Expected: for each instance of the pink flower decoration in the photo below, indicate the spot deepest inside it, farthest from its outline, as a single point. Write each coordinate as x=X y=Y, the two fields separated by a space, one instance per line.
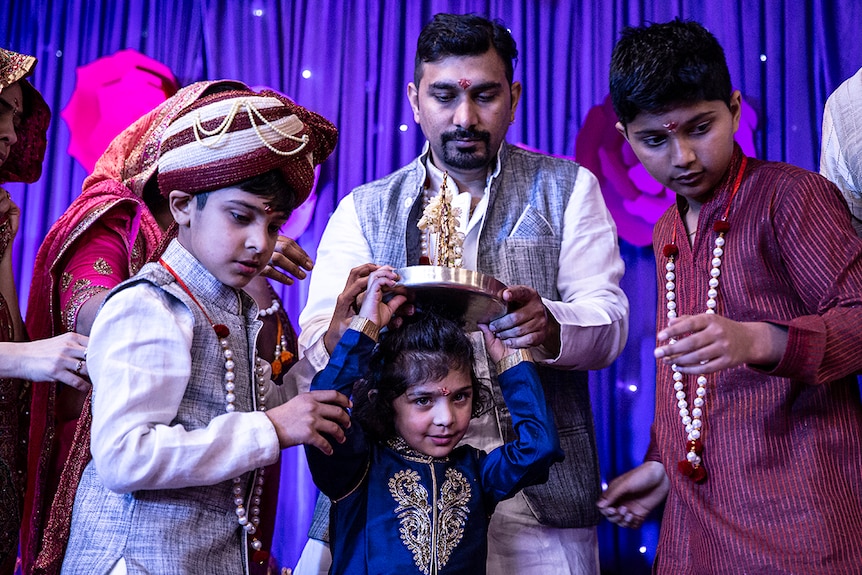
x=635 y=199
x=110 y=94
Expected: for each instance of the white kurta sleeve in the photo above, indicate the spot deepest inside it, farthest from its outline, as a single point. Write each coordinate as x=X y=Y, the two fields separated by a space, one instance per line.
x=139 y=362
x=593 y=311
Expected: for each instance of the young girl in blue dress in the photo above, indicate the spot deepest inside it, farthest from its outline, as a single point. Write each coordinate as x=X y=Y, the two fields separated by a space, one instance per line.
x=407 y=498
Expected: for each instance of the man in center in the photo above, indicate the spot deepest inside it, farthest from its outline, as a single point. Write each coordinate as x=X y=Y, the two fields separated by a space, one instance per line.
x=536 y=223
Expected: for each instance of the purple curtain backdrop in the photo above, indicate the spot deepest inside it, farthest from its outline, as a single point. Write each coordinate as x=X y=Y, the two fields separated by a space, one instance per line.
x=785 y=56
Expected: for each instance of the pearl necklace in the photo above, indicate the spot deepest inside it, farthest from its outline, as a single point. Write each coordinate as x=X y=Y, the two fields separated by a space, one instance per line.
x=424 y=235
x=248 y=520
x=251 y=110
x=270 y=310
x=692 y=466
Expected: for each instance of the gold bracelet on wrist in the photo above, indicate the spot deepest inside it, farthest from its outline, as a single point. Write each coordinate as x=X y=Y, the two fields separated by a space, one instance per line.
x=514 y=359
x=366 y=326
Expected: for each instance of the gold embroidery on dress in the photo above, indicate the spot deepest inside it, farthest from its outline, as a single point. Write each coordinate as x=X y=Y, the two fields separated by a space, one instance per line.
x=5 y=234
x=102 y=267
x=415 y=514
x=452 y=516
x=398 y=444
x=418 y=529
x=82 y=293
x=139 y=250
x=66 y=280
x=81 y=284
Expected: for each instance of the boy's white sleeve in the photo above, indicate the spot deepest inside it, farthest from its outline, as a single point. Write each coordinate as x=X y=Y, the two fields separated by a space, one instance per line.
x=139 y=362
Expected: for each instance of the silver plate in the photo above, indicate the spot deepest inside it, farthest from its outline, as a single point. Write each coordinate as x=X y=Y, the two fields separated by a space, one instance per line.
x=473 y=296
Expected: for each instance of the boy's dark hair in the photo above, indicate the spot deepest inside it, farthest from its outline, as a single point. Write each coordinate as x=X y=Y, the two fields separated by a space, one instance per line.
x=659 y=66
x=464 y=35
x=270 y=185
x=425 y=348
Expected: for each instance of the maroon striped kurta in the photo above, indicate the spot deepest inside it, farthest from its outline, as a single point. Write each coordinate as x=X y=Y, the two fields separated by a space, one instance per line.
x=783 y=449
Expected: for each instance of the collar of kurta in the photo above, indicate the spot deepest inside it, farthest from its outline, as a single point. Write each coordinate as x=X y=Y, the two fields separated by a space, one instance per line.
x=398 y=445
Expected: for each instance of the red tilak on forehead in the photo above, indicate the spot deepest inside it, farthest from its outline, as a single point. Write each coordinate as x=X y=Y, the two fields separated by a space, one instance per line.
x=267 y=208
x=465 y=83
x=670 y=126
x=444 y=391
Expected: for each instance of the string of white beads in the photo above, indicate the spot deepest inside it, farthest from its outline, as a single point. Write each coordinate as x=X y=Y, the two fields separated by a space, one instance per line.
x=248 y=519
x=272 y=309
x=691 y=419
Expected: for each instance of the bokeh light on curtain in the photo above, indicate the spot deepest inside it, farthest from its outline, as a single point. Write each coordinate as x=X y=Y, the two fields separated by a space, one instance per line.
x=351 y=60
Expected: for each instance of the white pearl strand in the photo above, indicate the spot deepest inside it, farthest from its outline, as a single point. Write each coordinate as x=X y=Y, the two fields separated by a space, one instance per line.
x=224 y=128
x=425 y=234
x=270 y=310
x=692 y=420
x=248 y=521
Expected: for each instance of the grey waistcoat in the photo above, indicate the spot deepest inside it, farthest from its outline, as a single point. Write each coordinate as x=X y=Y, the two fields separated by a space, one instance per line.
x=519 y=244
x=184 y=531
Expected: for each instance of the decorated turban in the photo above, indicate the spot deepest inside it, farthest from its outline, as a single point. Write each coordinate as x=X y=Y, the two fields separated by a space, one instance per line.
x=231 y=136
x=24 y=163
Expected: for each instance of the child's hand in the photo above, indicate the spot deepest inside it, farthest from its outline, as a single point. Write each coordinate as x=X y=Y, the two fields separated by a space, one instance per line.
x=373 y=307
x=311 y=419
x=632 y=496
x=707 y=343
x=345 y=305
x=495 y=346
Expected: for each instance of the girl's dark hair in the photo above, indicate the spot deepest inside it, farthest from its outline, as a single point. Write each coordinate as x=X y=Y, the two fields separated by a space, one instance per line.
x=659 y=66
x=425 y=348
x=270 y=185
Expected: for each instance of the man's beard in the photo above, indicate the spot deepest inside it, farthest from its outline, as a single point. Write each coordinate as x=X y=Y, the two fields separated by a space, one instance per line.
x=466 y=160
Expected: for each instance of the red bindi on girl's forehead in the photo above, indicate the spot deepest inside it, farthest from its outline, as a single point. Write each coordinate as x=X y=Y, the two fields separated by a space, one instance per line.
x=671 y=126
x=465 y=83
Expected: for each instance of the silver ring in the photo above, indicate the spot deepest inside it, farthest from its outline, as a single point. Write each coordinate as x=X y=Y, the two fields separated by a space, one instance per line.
x=79 y=366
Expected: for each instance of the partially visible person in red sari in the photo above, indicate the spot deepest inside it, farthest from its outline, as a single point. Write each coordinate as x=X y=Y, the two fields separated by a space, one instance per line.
x=118 y=223
x=24 y=119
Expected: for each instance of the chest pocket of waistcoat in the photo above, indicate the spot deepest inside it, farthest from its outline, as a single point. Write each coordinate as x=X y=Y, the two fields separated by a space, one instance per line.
x=531 y=254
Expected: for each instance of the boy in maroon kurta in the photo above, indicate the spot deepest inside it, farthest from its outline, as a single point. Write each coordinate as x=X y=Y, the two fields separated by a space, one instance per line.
x=757 y=438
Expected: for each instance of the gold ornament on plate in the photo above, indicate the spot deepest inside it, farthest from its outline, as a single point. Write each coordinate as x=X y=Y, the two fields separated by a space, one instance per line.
x=439 y=224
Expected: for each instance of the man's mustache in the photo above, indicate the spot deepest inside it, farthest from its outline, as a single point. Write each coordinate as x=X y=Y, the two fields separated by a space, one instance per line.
x=465 y=134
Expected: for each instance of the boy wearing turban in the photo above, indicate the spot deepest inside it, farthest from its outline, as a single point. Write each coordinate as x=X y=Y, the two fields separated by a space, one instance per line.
x=185 y=417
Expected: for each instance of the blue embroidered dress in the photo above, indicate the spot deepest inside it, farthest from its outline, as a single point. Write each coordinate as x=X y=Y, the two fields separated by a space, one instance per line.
x=396 y=510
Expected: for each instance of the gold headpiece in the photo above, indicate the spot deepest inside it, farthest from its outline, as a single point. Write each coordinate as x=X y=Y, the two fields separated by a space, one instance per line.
x=14 y=67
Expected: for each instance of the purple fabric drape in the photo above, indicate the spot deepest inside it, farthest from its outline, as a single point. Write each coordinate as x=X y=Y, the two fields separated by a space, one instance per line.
x=785 y=56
